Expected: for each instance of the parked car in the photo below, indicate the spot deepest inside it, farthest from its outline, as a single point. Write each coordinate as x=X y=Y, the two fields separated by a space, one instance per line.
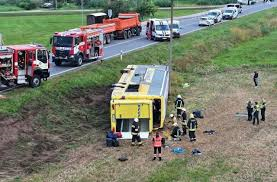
x=176 y=28
x=216 y=14
x=206 y=21
x=230 y=13
x=237 y=5
x=47 y=5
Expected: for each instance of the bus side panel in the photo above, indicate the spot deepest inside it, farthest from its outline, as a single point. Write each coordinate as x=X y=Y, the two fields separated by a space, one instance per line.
x=132 y=111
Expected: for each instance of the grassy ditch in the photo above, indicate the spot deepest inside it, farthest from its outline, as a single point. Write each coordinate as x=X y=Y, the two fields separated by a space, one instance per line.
x=72 y=110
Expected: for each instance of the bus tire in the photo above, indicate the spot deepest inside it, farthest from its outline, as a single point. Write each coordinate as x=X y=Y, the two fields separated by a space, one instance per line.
x=35 y=81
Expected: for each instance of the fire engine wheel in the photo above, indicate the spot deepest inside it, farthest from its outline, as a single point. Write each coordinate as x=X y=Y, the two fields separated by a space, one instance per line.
x=108 y=39
x=79 y=61
x=58 y=62
x=125 y=35
x=35 y=81
x=129 y=34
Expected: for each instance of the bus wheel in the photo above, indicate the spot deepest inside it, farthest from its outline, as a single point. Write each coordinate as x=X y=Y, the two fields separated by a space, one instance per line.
x=35 y=81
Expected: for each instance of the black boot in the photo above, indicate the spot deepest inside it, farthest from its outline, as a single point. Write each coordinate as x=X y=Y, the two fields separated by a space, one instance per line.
x=154 y=159
x=160 y=158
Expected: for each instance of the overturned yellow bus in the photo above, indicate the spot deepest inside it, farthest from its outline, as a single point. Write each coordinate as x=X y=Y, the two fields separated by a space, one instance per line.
x=142 y=93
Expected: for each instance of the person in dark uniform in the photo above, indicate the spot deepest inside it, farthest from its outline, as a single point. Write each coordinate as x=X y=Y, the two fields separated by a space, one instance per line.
x=263 y=107
x=184 y=121
x=192 y=126
x=255 y=78
x=249 y=109
x=135 y=132
x=256 y=113
x=179 y=104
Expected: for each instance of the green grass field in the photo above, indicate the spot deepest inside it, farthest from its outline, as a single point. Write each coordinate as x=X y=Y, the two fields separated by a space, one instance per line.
x=195 y=55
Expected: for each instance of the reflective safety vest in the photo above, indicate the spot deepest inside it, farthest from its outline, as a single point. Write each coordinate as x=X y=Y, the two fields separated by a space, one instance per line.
x=157 y=141
x=192 y=124
x=263 y=105
x=179 y=103
x=135 y=128
x=256 y=108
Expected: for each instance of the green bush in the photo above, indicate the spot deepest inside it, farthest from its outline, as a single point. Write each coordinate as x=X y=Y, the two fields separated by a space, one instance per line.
x=162 y=3
x=29 y=4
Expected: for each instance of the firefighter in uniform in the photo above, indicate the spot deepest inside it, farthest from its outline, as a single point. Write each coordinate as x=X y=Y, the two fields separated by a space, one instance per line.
x=135 y=132
x=173 y=119
x=184 y=121
x=192 y=126
x=256 y=113
x=249 y=109
x=176 y=132
x=179 y=104
x=263 y=106
x=157 y=144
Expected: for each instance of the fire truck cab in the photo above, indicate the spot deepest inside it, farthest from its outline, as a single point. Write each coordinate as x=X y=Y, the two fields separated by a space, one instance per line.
x=23 y=64
x=77 y=45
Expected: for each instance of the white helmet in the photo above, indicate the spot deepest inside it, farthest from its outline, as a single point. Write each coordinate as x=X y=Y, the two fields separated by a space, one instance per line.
x=175 y=124
x=136 y=120
x=171 y=115
x=184 y=109
x=179 y=96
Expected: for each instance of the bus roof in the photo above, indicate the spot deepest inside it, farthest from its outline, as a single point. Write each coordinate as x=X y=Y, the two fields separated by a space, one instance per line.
x=149 y=80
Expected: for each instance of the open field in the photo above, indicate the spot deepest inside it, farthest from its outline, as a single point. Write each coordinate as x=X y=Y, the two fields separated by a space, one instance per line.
x=58 y=137
x=39 y=29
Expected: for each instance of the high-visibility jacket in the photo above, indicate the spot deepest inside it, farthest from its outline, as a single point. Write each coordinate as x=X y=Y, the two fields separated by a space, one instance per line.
x=179 y=103
x=135 y=128
x=256 y=109
x=192 y=124
x=157 y=141
x=263 y=105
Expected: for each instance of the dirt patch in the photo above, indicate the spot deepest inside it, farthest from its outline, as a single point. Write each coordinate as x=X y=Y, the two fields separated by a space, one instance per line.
x=26 y=144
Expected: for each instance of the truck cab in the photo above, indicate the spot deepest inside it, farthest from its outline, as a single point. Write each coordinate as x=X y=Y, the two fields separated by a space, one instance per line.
x=23 y=64
x=157 y=29
x=76 y=45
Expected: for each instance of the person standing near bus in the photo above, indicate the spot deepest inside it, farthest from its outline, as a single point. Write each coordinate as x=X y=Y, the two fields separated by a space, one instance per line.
x=158 y=140
x=135 y=132
x=179 y=104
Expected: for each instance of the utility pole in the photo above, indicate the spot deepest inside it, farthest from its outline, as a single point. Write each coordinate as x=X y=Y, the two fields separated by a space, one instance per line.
x=170 y=46
x=56 y=4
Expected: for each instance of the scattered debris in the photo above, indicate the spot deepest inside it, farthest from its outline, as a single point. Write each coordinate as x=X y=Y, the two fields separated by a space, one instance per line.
x=198 y=113
x=178 y=150
x=123 y=158
x=196 y=152
x=209 y=132
x=2 y=97
x=186 y=85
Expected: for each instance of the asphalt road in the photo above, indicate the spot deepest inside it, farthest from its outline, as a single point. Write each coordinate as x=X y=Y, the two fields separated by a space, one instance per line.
x=189 y=24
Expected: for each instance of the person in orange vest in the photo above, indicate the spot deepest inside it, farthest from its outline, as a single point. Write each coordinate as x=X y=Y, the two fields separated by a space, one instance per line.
x=158 y=141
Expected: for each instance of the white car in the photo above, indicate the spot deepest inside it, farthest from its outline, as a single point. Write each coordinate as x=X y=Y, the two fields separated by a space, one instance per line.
x=216 y=14
x=230 y=13
x=237 y=5
x=175 y=28
x=206 y=21
x=247 y=2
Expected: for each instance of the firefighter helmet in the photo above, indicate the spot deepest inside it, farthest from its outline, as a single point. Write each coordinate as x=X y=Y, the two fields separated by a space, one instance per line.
x=184 y=109
x=171 y=115
x=191 y=116
x=175 y=124
x=136 y=120
x=179 y=96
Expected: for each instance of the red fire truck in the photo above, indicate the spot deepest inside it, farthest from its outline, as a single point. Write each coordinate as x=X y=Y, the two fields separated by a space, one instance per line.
x=22 y=64
x=77 y=45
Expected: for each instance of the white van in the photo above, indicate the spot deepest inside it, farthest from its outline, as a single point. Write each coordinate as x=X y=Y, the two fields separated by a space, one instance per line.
x=176 y=28
x=238 y=6
x=246 y=2
x=157 y=29
x=230 y=13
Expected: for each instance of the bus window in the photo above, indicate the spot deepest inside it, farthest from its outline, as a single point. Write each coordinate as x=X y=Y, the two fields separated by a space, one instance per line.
x=156 y=113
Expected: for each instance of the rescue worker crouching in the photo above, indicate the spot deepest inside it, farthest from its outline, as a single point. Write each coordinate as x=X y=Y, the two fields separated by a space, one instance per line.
x=192 y=126
x=173 y=119
x=158 y=141
x=179 y=104
x=176 y=132
x=135 y=132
